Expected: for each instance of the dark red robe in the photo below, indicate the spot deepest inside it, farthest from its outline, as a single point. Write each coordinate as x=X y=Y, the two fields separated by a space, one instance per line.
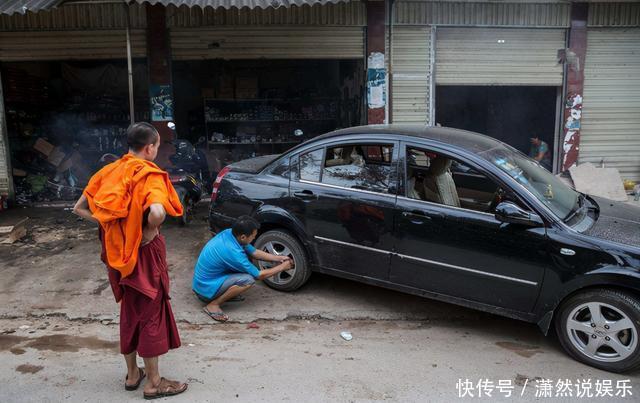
x=147 y=324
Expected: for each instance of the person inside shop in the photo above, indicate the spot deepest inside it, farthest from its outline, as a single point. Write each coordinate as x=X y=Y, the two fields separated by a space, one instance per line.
x=224 y=270
x=539 y=151
x=130 y=199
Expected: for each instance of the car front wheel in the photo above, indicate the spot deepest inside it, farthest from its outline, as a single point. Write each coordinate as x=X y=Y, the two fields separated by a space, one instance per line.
x=600 y=328
x=279 y=242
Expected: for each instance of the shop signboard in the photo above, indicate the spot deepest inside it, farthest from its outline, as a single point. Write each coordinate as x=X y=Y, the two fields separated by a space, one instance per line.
x=161 y=103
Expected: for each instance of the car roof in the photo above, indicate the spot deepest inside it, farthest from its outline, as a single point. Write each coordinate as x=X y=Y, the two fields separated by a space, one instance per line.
x=470 y=141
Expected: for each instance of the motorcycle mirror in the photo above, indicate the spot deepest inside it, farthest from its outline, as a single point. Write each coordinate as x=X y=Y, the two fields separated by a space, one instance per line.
x=298 y=133
x=171 y=125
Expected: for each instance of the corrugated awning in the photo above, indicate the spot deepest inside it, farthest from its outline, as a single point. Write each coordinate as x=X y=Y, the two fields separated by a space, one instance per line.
x=238 y=3
x=22 y=6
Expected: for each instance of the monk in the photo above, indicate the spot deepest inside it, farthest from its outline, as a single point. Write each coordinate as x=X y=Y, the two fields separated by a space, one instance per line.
x=130 y=199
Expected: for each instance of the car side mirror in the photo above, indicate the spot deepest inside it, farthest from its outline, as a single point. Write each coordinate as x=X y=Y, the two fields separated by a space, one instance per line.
x=509 y=212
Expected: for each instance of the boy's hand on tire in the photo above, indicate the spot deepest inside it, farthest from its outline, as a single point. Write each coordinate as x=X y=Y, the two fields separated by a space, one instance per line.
x=287 y=265
x=282 y=258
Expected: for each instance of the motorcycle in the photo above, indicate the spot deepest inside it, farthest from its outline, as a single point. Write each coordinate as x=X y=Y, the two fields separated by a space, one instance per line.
x=188 y=176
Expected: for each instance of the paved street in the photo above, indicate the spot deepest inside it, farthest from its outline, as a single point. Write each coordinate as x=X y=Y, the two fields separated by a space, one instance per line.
x=59 y=334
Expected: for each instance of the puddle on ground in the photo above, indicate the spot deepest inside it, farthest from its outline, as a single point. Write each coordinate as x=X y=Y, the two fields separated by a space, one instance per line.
x=29 y=369
x=8 y=341
x=523 y=350
x=57 y=342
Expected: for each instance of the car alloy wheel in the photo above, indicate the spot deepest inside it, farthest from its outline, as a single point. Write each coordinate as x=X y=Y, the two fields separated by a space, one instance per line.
x=601 y=332
x=278 y=248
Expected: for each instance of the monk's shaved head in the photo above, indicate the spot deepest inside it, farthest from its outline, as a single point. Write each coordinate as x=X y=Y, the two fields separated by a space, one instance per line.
x=141 y=134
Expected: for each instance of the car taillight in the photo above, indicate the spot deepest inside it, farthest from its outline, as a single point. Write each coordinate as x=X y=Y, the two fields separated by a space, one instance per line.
x=216 y=184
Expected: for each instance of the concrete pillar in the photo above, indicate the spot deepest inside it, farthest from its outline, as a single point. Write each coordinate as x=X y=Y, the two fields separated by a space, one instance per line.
x=376 y=71
x=159 y=65
x=6 y=173
x=574 y=58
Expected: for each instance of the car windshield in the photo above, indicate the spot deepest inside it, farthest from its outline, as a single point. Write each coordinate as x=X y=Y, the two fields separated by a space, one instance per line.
x=552 y=192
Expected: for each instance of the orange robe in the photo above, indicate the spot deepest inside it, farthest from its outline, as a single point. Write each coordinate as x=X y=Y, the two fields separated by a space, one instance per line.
x=118 y=196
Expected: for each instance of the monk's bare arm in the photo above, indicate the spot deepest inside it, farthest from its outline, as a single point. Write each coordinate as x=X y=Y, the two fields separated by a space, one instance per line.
x=154 y=220
x=82 y=209
x=157 y=215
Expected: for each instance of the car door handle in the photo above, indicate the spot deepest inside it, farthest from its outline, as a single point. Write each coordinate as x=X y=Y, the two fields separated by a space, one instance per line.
x=414 y=213
x=416 y=216
x=305 y=195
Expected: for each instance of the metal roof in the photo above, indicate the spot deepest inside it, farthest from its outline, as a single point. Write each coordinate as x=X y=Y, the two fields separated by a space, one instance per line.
x=22 y=6
x=238 y=3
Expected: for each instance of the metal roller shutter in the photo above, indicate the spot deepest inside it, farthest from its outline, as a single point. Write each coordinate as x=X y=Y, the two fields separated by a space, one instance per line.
x=267 y=43
x=611 y=106
x=70 y=45
x=499 y=56
x=411 y=74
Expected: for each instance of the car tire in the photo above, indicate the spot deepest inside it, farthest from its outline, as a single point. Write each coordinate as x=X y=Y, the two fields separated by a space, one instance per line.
x=608 y=340
x=282 y=242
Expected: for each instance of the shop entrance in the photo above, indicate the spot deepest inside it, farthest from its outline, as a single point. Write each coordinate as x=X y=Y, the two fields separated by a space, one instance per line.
x=236 y=109
x=512 y=114
x=63 y=117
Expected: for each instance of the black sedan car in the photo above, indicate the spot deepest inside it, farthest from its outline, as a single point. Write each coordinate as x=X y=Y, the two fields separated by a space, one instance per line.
x=450 y=215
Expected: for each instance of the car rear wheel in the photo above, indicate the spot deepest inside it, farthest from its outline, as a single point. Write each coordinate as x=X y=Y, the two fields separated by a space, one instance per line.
x=279 y=242
x=601 y=328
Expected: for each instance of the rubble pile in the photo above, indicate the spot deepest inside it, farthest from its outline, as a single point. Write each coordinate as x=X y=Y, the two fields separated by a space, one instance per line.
x=50 y=173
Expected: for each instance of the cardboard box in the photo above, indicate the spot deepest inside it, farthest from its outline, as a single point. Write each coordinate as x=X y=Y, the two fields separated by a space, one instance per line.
x=78 y=166
x=82 y=171
x=69 y=162
x=43 y=146
x=56 y=156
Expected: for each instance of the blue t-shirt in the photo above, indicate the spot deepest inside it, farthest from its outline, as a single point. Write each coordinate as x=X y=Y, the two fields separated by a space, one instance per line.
x=221 y=256
x=541 y=148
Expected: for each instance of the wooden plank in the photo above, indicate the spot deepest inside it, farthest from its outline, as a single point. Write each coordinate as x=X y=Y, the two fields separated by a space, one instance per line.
x=8 y=223
x=15 y=235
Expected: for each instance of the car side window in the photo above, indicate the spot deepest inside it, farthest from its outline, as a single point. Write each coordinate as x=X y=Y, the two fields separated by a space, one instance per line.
x=359 y=166
x=283 y=169
x=310 y=165
x=439 y=179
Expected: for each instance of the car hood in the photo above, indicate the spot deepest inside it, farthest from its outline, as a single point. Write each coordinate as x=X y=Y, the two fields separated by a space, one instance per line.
x=618 y=222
